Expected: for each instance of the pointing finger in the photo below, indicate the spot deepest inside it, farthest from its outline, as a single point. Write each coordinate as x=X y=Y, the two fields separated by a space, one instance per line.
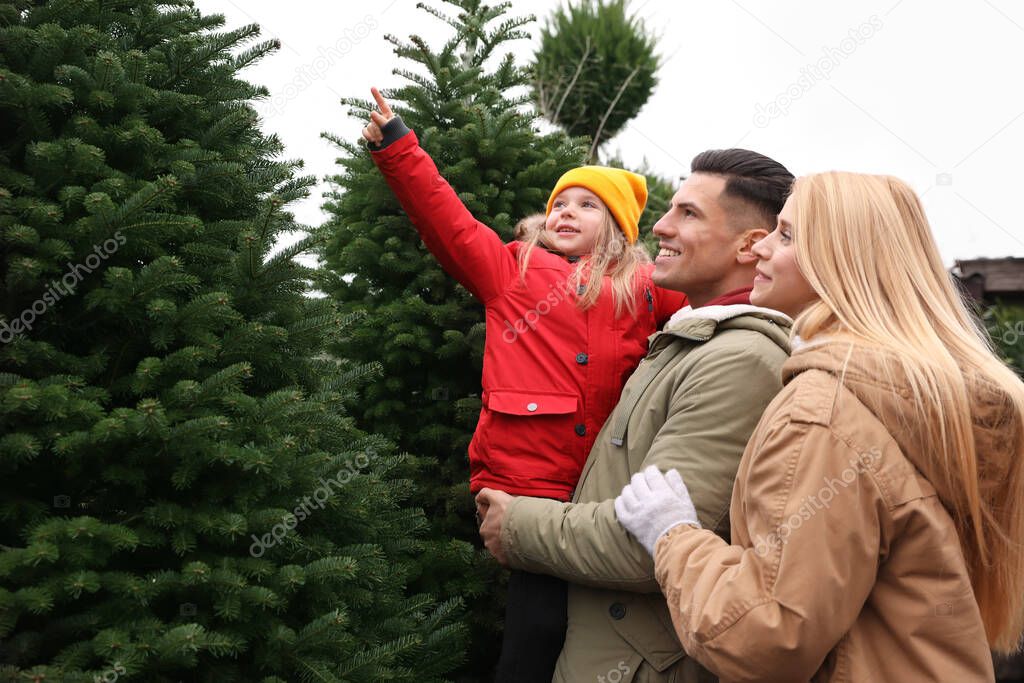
x=381 y=103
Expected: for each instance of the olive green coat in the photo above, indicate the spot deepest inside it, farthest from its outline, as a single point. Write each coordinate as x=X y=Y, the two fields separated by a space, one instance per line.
x=692 y=404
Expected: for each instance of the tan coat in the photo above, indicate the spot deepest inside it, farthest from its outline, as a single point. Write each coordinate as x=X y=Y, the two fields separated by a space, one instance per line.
x=691 y=405
x=844 y=564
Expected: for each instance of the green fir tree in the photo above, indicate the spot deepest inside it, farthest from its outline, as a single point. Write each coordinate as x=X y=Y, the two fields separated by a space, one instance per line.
x=182 y=495
x=595 y=69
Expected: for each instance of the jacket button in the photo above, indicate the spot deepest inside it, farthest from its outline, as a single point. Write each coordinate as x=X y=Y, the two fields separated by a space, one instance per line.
x=617 y=610
x=581 y=429
x=580 y=289
x=581 y=358
x=531 y=407
x=573 y=259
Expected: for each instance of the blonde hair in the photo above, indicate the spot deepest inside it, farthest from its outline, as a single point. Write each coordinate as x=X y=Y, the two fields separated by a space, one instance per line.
x=527 y=226
x=612 y=255
x=864 y=244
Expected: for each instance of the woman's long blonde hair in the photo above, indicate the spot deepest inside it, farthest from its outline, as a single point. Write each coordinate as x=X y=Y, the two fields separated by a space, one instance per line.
x=612 y=255
x=864 y=244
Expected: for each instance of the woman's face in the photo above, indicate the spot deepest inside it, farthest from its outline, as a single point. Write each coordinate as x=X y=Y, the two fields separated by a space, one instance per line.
x=576 y=217
x=779 y=284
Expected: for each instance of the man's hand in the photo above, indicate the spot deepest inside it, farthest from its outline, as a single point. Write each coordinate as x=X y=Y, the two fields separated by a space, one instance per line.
x=652 y=503
x=492 y=505
x=372 y=132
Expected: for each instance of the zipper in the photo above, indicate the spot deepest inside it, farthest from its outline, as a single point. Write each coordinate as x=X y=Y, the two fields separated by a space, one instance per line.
x=650 y=299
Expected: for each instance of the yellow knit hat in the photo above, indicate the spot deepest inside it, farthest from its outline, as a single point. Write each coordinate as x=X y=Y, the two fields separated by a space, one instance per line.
x=624 y=193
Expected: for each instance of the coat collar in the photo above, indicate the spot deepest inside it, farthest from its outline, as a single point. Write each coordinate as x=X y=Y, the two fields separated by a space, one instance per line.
x=701 y=324
x=718 y=314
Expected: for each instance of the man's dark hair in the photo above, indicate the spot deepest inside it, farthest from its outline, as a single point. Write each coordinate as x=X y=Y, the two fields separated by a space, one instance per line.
x=754 y=179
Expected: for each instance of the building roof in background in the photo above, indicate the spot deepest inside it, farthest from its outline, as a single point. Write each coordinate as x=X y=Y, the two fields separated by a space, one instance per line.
x=996 y=275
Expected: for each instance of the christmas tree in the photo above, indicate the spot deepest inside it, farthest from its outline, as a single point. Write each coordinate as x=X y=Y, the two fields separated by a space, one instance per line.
x=467 y=102
x=595 y=69
x=183 y=495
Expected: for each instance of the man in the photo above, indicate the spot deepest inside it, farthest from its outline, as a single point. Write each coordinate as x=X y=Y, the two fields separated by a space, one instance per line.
x=691 y=405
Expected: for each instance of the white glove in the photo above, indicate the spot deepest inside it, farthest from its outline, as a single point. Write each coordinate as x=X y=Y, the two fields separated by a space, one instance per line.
x=652 y=503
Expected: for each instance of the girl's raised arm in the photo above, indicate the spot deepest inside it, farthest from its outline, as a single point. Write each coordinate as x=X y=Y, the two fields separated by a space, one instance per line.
x=467 y=249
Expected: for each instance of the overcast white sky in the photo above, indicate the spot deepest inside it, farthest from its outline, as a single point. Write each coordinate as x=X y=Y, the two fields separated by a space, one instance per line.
x=927 y=90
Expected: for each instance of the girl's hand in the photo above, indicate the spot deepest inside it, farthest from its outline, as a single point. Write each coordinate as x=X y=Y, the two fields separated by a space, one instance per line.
x=372 y=132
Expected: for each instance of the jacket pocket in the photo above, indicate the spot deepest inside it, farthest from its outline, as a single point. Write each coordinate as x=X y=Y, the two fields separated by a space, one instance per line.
x=529 y=434
x=531 y=403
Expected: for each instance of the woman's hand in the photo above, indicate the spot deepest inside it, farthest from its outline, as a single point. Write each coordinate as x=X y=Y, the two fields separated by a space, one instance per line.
x=652 y=503
x=372 y=132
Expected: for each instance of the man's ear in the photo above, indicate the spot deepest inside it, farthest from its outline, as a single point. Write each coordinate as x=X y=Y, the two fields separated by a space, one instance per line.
x=745 y=251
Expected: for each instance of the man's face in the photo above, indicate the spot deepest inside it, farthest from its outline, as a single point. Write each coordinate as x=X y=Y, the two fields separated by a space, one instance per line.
x=698 y=241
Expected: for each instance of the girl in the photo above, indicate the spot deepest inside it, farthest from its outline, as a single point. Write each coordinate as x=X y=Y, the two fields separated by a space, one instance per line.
x=876 y=516
x=568 y=312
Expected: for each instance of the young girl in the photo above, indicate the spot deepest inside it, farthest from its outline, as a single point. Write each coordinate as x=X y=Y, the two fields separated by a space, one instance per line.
x=566 y=325
x=877 y=526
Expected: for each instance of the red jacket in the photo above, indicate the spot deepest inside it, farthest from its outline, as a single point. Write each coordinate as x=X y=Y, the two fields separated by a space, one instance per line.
x=552 y=373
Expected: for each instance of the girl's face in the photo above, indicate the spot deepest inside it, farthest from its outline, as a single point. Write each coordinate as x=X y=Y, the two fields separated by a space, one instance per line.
x=575 y=221
x=779 y=284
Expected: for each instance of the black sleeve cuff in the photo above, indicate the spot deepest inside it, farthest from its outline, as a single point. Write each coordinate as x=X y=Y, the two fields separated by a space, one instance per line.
x=393 y=130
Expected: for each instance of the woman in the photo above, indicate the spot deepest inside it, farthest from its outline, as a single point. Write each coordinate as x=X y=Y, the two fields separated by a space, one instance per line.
x=877 y=522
